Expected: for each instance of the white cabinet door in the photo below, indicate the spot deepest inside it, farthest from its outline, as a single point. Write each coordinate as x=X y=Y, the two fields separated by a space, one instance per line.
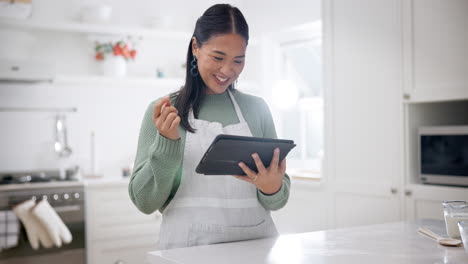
x=363 y=87
x=425 y=201
x=116 y=232
x=306 y=210
x=436 y=38
x=111 y=214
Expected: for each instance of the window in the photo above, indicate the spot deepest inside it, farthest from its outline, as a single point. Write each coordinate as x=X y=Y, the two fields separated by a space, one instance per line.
x=297 y=97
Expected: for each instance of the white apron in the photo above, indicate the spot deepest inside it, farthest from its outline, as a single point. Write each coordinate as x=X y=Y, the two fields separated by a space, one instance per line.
x=212 y=209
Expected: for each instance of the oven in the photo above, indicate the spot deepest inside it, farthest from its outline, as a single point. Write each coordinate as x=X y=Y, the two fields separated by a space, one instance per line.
x=67 y=198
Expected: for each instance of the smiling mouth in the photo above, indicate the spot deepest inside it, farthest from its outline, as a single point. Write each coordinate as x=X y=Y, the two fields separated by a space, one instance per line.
x=220 y=80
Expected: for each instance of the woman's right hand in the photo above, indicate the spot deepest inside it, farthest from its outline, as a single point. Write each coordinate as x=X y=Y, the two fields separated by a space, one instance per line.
x=166 y=119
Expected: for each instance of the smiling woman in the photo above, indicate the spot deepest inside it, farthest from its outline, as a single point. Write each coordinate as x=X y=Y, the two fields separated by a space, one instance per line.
x=221 y=60
x=177 y=130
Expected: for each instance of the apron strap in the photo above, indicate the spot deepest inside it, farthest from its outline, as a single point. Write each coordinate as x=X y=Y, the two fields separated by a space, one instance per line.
x=236 y=107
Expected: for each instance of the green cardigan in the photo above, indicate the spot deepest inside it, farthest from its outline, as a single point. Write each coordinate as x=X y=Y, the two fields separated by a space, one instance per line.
x=158 y=164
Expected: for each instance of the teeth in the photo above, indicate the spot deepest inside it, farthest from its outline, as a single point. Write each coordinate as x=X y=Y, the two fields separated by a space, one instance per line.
x=221 y=79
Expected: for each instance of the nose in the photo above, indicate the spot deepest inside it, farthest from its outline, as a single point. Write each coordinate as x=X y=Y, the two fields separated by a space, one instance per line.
x=227 y=70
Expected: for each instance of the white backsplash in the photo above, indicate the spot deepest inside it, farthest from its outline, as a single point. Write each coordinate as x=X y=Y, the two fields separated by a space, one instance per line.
x=113 y=113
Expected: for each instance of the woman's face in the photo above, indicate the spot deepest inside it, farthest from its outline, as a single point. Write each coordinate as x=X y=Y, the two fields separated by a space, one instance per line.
x=220 y=61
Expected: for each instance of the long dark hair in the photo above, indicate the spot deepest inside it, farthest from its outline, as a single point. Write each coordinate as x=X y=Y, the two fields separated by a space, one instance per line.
x=217 y=20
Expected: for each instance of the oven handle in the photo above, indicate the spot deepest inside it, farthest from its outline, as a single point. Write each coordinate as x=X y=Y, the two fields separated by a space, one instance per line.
x=67 y=208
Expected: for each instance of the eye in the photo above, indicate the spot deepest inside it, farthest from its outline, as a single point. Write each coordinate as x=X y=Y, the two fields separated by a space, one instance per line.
x=238 y=62
x=218 y=58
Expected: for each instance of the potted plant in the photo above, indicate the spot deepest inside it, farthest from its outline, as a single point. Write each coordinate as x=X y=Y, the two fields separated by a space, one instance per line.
x=113 y=57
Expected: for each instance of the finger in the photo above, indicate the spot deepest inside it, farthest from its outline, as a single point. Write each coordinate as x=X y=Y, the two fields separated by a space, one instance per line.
x=167 y=110
x=244 y=178
x=167 y=104
x=250 y=173
x=275 y=160
x=158 y=106
x=166 y=125
x=175 y=123
x=258 y=162
x=283 y=166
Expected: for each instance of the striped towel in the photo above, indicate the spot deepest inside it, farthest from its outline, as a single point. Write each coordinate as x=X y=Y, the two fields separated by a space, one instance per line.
x=9 y=229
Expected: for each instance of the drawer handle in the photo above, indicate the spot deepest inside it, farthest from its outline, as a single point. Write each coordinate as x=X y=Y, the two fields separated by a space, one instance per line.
x=119 y=262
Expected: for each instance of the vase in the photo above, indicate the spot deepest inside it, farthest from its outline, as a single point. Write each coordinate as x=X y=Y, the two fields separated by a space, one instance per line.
x=115 y=66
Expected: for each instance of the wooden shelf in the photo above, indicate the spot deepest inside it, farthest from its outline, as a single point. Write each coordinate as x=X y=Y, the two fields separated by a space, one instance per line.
x=101 y=29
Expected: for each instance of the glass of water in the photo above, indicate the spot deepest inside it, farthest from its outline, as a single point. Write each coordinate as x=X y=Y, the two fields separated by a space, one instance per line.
x=454 y=212
x=463 y=227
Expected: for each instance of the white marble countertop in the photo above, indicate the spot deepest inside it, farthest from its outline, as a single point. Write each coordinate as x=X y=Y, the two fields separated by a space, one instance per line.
x=385 y=243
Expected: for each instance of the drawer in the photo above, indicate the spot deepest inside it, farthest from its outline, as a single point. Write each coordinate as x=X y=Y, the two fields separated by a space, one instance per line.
x=121 y=227
x=103 y=208
x=107 y=194
x=111 y=214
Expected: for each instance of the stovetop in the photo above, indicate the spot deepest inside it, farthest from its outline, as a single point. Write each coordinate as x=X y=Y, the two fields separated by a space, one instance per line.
x=39 y=176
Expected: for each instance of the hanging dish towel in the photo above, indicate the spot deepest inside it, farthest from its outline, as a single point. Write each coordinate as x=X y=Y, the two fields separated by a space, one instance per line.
x=52 y=223
x=34 y=229
x=9 y=229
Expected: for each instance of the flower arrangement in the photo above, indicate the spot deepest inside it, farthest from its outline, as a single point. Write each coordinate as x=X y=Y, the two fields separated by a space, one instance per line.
x=119 y=48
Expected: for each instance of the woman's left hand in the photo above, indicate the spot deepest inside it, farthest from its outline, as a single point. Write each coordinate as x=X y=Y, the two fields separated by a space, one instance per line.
x=268 y=180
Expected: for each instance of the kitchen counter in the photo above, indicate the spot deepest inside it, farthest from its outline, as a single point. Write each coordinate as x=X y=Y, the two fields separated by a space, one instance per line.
x=40 y=185
x=106 y=182
x=384 y=243
x=89 y=183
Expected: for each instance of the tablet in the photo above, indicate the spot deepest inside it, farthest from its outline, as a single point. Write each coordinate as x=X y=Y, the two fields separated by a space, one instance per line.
x=226 y=151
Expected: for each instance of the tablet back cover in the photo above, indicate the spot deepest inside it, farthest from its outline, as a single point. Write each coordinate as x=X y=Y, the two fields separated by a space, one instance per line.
x=225 y=153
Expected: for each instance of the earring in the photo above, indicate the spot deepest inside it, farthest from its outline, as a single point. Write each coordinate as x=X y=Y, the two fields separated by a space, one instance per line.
x=193 y=70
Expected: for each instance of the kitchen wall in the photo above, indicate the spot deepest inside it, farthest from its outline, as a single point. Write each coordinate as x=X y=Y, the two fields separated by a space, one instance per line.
x=113 y=112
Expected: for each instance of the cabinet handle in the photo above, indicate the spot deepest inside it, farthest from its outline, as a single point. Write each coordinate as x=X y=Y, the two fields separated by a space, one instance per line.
x=408 y=192
x=394 y=190
x=406 y=96
x=119 y=262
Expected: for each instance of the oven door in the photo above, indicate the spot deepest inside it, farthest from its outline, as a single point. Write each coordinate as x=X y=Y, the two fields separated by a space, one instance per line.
x=72 y=214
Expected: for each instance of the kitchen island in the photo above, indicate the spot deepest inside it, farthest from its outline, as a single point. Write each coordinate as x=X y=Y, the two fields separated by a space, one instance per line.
x=384 y=243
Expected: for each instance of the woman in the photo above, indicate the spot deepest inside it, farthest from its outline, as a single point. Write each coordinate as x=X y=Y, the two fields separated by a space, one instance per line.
x=177 y=130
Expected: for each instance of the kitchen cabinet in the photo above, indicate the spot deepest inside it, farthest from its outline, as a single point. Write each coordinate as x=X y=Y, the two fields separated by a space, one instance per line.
x=390 y=67
x=116 y=231
x=363 y=114
x=425 y=201
x=436 y=58
x=435 y=91
x=306 y=209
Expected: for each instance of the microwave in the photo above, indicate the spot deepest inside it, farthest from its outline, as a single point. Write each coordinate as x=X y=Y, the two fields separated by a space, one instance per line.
x=443 y=155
